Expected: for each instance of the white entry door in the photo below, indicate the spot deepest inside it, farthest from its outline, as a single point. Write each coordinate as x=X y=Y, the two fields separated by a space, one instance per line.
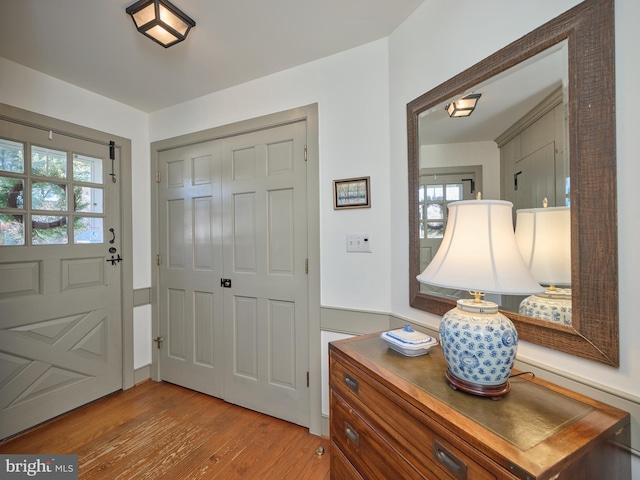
x=265 y=251
x=60 y=296
x=233 y=286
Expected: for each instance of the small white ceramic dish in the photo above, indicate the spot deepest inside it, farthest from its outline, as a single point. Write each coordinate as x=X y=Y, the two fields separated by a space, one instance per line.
x=408 y=342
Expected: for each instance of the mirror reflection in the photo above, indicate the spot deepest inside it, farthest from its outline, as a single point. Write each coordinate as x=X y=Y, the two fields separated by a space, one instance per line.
x=511 y=145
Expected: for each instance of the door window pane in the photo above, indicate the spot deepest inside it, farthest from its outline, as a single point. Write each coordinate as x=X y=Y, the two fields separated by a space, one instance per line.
x=48 y=196
x=87 y=199
x=435 y=211
x=49 y=230
x=48 y=163
x=435 y=229
x=88 y=230
x=87 y=169
x=435 y=192
x=11 y=156
x=57 y=206
x=11 y=192
x=454 y=192
x=11 y=229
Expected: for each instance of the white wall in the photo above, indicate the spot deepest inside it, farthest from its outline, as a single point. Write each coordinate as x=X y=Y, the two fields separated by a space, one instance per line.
x=351 y=89
x=418 y=62
x=486 y=154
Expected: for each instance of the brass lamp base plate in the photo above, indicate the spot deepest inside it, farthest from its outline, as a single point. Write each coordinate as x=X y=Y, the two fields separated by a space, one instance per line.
x=495 y=392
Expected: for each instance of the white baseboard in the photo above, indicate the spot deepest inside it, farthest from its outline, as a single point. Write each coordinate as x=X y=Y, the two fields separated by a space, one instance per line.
x=141 y=374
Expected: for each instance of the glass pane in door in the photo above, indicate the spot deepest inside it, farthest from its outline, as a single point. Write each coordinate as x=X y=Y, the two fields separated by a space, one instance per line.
x=49 y=230
x=11 y=192
x=88 y=230
x=48 y=163
x=48 y=196
x=454 y=192
x=87 y=169
x=87 y=199
x=11 y=156
x=11 y=229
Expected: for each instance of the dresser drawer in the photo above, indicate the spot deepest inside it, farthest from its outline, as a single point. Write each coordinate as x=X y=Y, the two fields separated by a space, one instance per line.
x=423 y=442
x=341 y=469
x=367 y=451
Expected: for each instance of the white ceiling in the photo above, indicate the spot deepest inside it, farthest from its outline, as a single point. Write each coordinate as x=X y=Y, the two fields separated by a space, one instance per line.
x=93 y=43
x=505 y=99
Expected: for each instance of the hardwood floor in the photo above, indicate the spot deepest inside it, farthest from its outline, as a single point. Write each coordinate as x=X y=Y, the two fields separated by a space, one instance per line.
x=162 y=431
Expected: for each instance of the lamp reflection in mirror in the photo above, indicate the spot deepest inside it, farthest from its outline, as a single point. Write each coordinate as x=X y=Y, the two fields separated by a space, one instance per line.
x=463 y=107
x=161 y=21
x=544 y=239
x=479 y=253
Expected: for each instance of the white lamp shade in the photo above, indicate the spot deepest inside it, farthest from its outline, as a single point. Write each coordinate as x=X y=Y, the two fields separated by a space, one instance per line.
x=479 y=252
x=544 y=238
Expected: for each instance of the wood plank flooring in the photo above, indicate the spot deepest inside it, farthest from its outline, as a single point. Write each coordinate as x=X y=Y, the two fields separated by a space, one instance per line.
x=163 y=431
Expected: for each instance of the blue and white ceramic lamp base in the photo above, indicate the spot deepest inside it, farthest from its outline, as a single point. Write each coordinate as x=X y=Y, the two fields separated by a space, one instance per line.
x=553 y=306
x=480 y=346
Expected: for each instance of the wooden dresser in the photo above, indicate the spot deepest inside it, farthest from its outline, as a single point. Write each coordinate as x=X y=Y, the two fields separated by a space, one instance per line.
x=395 y=417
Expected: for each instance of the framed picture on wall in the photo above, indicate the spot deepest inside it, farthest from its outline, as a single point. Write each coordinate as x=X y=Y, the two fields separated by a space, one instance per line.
x=351 y=193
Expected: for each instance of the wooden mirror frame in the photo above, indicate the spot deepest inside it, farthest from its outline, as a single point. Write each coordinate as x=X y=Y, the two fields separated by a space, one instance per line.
x=589 y=30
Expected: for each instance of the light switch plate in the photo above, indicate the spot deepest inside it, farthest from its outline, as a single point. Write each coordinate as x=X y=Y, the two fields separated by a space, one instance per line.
x=359 y=242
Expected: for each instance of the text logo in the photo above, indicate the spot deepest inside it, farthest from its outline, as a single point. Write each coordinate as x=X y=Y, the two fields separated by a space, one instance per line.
x=44 y=466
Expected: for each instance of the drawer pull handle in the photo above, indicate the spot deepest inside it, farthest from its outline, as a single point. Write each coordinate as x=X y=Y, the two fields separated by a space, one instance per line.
x=351 y=434
x=450 y=461
x=351 y=382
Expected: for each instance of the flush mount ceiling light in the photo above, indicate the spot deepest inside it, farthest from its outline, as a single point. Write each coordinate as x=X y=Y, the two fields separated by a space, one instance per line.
x=161 y=21
x=463 y=107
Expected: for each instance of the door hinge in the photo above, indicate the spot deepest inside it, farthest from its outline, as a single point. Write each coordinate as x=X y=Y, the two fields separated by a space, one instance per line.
x=157 y=176
x=306 y=266
x=305 y=153
x=158 y=259
x=307 y=379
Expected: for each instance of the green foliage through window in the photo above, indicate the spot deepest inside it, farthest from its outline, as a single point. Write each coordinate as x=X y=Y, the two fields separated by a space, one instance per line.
x=42 y=197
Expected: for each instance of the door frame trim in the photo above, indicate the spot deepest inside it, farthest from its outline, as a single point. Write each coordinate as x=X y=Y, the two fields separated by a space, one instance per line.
x=309 y=114
x=44 y=122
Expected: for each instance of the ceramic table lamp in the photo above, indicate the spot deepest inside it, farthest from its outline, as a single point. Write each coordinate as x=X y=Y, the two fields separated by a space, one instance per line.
x=479 y=253
x=544 y=239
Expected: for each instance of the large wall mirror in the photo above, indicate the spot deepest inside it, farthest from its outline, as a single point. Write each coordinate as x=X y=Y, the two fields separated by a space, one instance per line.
x=562 y=71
